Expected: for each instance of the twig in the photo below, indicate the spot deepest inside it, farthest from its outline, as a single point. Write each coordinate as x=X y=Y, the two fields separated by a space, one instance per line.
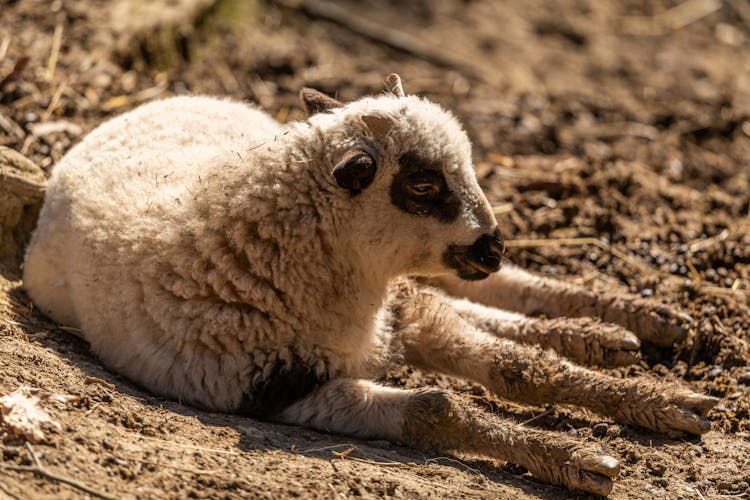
x=688 y=12
x=537 y=417
x=54 y=102
x=345 y=455
x=706 y=242
x=323 y=448
x=188 y=446
x=41 y=471
x=693 y=271
x=92 y=410
x=4 y=47
x=16 y=323
x=677 y=17
x=55 y=51
x=33 y=455
x=436 y=460
x=347 y=452
x=213 y=472
x=393 y=38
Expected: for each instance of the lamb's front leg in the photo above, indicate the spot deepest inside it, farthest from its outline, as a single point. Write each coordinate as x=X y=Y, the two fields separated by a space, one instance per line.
x=436 y=337
x=441 y=420
x=584 y=340
x=516 y=290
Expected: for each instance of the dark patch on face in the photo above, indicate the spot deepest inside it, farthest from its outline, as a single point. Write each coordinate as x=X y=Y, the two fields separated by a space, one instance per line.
x=419 y=188
x=478 y=260
x=284 y=386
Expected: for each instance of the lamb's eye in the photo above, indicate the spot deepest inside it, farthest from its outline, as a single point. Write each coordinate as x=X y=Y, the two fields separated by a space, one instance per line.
x=423 y=189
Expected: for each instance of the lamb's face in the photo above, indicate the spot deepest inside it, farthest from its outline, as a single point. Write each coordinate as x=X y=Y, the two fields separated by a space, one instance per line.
x=416 y=207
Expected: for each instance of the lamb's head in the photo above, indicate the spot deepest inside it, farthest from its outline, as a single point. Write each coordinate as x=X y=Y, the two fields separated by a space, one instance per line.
x=403 y=168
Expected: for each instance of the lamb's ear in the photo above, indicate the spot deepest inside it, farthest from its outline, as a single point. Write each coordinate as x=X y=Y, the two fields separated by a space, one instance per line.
x=394 y=86
x=356 y=171
x=317 y=102
x=379 y=123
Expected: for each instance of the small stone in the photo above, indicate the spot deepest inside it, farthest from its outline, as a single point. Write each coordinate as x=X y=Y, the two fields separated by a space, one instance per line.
x=724 y=486
x=647 y=292
x=600 y=429
x=744 y=378
x=106 y=444
x=715 y=372
x=10 y=452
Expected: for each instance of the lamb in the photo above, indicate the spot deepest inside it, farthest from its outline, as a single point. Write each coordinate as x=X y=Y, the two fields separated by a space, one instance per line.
x=216 y=257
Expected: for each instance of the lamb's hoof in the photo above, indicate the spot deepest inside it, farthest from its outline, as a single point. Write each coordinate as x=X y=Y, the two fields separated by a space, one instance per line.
x=616 y=347
x=686 y=412
x=669 y=409
x=584 y=469
x=594 y=472
x=659 y=324
x=588 y=341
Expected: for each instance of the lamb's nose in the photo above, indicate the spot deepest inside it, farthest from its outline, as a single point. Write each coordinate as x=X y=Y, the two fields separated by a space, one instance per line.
x=487 y=251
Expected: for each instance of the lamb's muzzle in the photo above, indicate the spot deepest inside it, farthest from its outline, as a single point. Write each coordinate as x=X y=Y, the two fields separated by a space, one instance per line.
x=478 y=260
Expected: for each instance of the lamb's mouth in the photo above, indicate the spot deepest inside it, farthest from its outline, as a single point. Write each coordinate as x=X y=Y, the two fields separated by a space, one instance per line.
x=471 y=269
x=476 y=261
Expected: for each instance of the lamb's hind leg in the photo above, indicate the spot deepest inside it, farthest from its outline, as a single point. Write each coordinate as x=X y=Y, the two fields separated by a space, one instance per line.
x=584 y=340
x=514 y=289
x=436 y=337
x=440 y=420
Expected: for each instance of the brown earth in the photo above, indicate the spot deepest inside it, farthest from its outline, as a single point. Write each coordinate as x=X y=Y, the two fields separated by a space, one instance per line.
x=623 y=122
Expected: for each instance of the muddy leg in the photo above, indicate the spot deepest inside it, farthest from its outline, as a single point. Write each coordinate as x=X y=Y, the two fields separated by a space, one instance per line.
x=514 y=289
x=440 y=420
x=436 y=337
x=583 y=340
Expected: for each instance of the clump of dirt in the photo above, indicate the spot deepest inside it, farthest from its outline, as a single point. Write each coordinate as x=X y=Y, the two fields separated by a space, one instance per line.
x=21 y=195
x=612 y=137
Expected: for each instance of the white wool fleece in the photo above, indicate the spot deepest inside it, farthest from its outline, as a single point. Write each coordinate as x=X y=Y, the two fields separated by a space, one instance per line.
x=199 y=245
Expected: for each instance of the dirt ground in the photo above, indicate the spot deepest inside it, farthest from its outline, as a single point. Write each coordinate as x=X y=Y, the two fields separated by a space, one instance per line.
x=623 y=122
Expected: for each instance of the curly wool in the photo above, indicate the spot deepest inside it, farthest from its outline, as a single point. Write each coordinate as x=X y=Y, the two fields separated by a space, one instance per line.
x=201 y=247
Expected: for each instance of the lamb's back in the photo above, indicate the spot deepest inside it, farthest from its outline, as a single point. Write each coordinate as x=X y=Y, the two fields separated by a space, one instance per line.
x=158 y=150
x=129 y=185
